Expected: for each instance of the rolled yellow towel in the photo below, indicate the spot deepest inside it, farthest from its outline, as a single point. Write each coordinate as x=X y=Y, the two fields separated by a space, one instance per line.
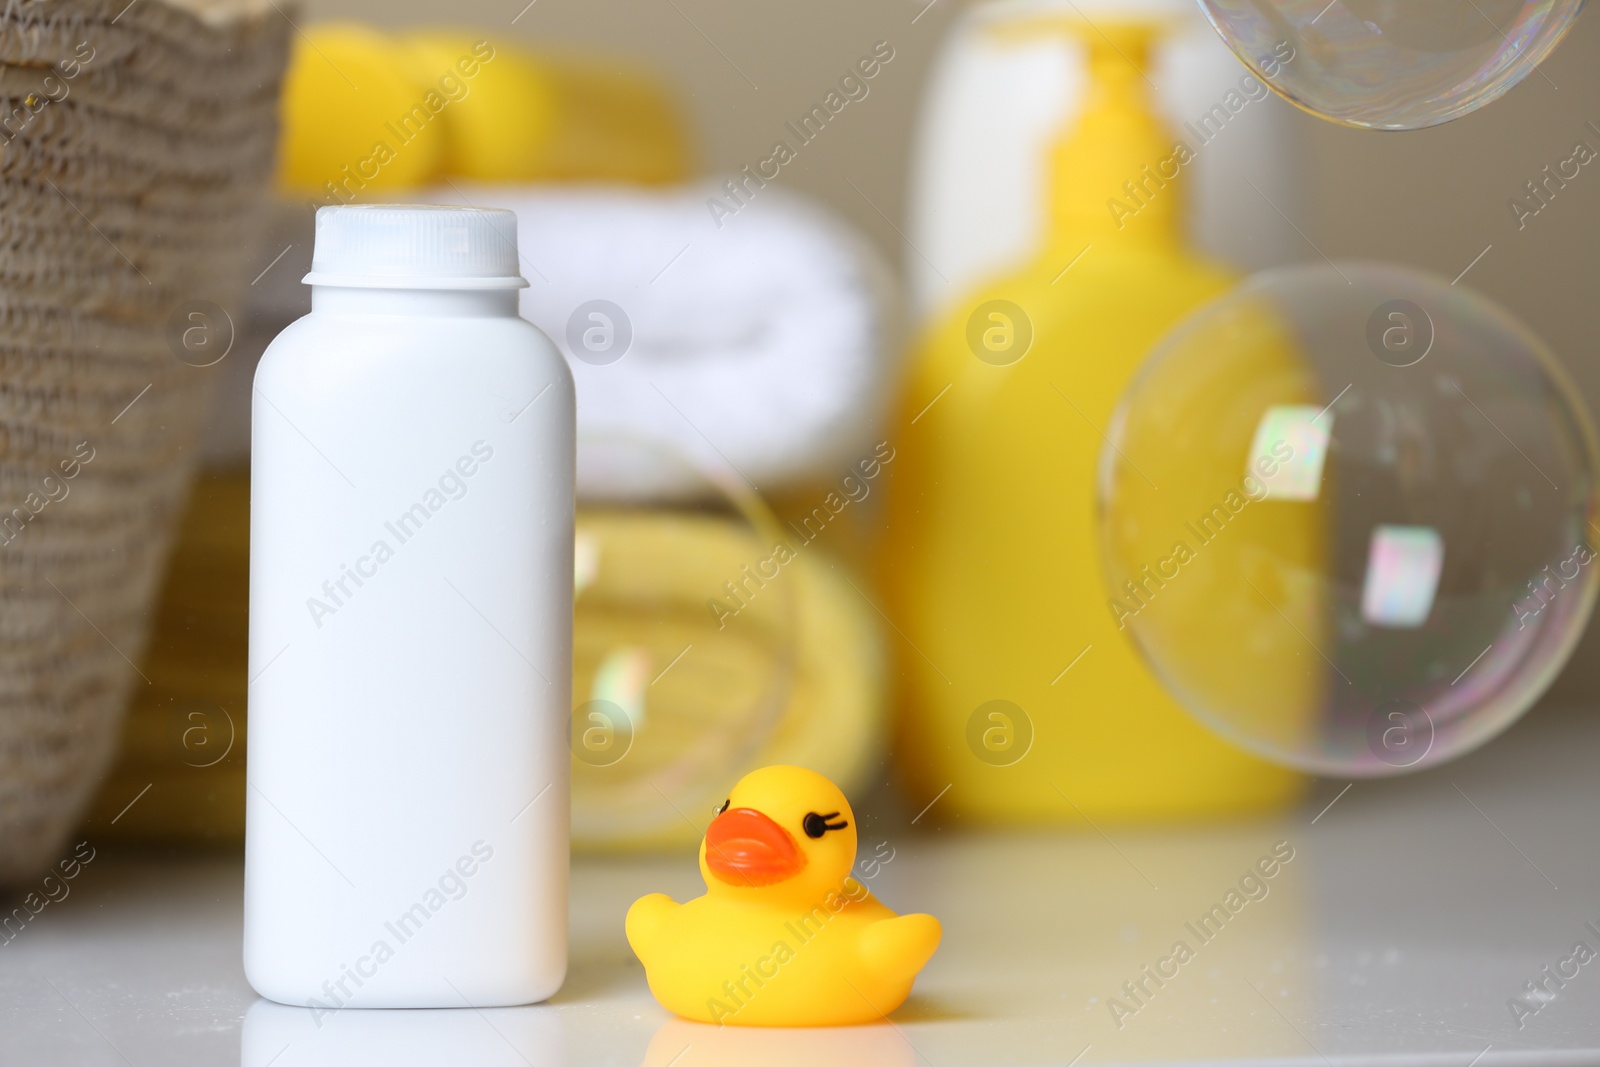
x=367 y=114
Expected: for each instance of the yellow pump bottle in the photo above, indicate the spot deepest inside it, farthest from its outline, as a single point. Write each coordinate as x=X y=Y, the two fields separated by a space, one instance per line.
x=1018 y=692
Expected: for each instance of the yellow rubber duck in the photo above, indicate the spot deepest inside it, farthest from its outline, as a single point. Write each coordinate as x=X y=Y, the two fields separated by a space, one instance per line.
x=784 y=936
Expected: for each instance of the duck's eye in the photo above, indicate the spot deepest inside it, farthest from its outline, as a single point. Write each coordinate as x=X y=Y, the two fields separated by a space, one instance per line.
x=816 y=825
x=724 y=807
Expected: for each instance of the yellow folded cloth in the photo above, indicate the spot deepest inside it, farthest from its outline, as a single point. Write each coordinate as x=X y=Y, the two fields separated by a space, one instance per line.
x=179 y=775
x=697 y=667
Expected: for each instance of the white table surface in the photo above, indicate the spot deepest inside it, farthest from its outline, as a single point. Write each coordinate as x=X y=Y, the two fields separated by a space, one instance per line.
x=1412 y=910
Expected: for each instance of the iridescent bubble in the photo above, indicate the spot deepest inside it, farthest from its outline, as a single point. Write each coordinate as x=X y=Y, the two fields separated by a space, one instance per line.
x=1392 y=64
x=684 y=640
x=1349 y=517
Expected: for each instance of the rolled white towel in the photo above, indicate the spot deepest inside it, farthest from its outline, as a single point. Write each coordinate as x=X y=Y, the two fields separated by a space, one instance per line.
x=768 y=344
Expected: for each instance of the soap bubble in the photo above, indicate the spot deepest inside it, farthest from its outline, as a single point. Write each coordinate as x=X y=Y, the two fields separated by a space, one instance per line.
x=1392 y=64
x=684 y=637
x=1348 y=516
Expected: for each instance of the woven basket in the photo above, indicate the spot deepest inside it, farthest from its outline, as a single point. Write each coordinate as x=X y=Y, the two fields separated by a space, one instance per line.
x=136 y=141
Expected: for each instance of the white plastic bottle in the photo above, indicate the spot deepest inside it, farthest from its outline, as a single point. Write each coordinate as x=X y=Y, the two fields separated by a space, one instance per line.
x=410 y=627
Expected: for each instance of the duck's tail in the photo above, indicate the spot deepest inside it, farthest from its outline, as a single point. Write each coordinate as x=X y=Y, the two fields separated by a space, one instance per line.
x=645 y=919
x=896 y=949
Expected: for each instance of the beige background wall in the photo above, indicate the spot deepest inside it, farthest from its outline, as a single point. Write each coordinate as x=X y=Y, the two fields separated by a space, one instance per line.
x=1433 y=198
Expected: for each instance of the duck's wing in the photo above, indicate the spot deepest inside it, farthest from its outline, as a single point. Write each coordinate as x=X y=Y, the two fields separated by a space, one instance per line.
x=645 y=920
x=896 y=949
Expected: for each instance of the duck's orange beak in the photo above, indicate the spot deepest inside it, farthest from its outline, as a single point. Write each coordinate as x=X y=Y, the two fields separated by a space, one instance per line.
x=745 y=848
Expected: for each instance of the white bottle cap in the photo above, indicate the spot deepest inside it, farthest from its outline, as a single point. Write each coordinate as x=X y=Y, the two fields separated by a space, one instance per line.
x=415 y=246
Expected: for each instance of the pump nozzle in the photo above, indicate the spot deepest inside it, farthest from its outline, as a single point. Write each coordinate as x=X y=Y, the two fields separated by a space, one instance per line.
x=1116 y=169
